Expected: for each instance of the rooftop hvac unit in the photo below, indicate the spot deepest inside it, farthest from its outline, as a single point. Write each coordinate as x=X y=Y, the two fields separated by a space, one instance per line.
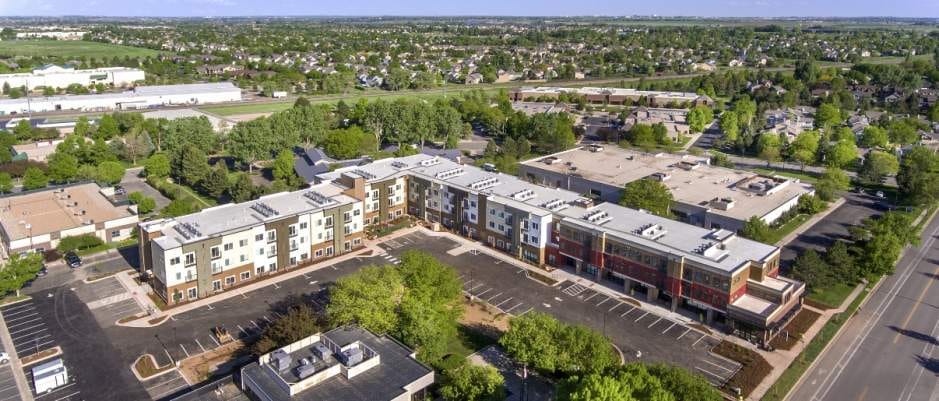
x=321 y=351
x=351 y=356
x=304 y=371
x=281 y=360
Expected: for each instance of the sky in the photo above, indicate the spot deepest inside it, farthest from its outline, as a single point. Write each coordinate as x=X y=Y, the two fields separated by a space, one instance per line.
x=704 y=8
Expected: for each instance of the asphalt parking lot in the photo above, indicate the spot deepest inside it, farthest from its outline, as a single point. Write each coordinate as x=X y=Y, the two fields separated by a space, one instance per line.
x=67 y=392
x=27 y=328
x=8 y=389
x=639 y=333
x=108 y=300
x=166 y=385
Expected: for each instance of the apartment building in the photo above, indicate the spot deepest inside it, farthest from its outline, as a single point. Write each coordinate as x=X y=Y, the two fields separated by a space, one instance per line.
x=216 y=249
x=725 y=277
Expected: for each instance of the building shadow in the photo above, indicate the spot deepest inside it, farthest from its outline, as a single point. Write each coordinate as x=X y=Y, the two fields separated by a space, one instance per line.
x=915 y=335
x=932 y=275
x=931 y=364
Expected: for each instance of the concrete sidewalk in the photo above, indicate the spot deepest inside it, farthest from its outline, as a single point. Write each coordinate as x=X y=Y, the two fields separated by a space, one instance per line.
x=21 y=384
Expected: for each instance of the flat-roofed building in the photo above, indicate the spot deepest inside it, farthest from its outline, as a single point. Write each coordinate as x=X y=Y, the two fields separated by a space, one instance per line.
x=344 y=364
x=615 y=96
x=141 y=97
x=219 y=248
x=53 y=76
x=37 y=221
x=704 y=195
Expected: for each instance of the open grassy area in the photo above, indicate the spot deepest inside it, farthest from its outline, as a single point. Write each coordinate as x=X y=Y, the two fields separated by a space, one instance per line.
x=831 y=297
x=107 y=246
x=804 y=177
x=791 y=375
x=231 y=110
x=777 y=234
x=71 y=49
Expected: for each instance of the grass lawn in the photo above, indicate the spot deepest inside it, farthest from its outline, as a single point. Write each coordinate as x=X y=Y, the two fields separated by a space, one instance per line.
x=804 y=177
x=107 y=246
x=778 y=233
x=231 y=110
x=831 y=297
x=791 y=375
x=71 y=49
x=466 y=342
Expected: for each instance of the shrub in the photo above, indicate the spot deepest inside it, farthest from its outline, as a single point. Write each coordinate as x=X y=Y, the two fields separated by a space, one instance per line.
x=145 y=204
x=79 y=242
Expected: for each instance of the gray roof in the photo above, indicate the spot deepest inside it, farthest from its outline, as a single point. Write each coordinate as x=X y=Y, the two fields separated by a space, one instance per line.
x=386 y=381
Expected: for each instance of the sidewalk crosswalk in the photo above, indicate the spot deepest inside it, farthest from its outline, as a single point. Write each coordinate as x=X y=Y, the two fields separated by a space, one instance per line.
x=574 y=290
x=391 y=259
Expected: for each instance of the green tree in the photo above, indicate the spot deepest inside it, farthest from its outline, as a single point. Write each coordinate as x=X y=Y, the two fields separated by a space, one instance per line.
x=632 y=382
x=34 y=178
x=283 y=169
x=746 y=110
x=23 y=131
x=369 y=298
x=828 y=115
x=769 y=147
x=177 y=207
x=843 y=264
x=242 y=189
x=110 y=173
x=107 y=128
x=63 y=167
x=6 y=183
x=874 y=137
x=82 y=127
x=756 y=229
x=216 y=182
x=531 y=341
x=918 y=177
x=17 y=271
x=877 y=166
x=473 y=383
x=813 y=270
x=136 y=144
x=699 y=117
x=832 y=181
x=191 y=166
x=842 y=153
x=158 y=165
x=730 y=126
x=647 y=194
x=144 y=203
x=684 y=385
x=805 y=147
x=642 y=136
x=299 y=322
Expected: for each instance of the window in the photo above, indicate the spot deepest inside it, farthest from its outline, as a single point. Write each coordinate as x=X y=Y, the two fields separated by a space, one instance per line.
x=398 y=212
x=293 y=246
x=190 y=259
x=346 y=217
x=229 y=246
x=272 y=251
x=329 y=251
x=374 y=205
x=319 y=253
x=292 y=230
x=329 y=221
x=243 y=243
x=534 y=225
x=398 y=187
x=346 y=229
x=492 y=225
x=216 y=253
x=230 y=280
x=472 y=203
x=319 y=222
x=174 y=261
x=525 y=238
x=357 y=241
x=271 y=236
x=115 y=233
x=501 y=227
x=216 y=268
x=347 y=246
x=293 y=261
x=260 y=251
x=492 y=212
x=259 y=237
x=304 y=256
x=179 y=276
x=244 y=258
x=356 y=212
x=245 y=275
x=216 y=285
x=374 y=194
x=303 y=226
x=272 y=267
x=258 y=270
x=193 y=293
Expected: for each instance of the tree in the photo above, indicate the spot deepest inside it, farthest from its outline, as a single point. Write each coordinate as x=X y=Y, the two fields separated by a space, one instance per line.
x=918 y=176
x=842 y=153
x=110 y=173
x=6 y=183
x=813 y=270
x=283 y=169
x=729 y=126
x=832 y=181
x=874 y=137
x=158 y=165
x=107 y=128
x=242 y=189
x=23 y=131
x=18 y=271
x=247 y=143
x=769 y=147
x=805 y=146
x=347 y=143
x=369 y=298
x=828 y=115
x=34 y=178
x=684 y=385
x=191 y=166
x=642 y=136
x=63 y=167
x=756 y=229
x=177 y=207
x=636 y=381
x=299 y=322
x=144 y=203
x=216 y=182
x=699 y=117
x=842 y=262
x=136 y=144
x=473 y=383
x=530 y=340
x=745 y=109
x=877 y=166
x=82 y=127
x=647 y=194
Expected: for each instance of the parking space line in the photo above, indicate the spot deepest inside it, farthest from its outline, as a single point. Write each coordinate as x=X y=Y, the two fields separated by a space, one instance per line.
x=465 y=283
x=670 y=327
x=640 y=317
x=255 y=324
x=19 y=317
x=594 y=294
x=718 y=366
x=683 y=334
x=475 y=287
x=216 y=341
x=184 y=350
x=168 y=355
x=504 y=301
x=481 y=293
x=601 y=302
x=631 y=308
x=199 y=344
x=25 y=305
x=656 y=321
x=615 y=306
x=719 y=377
x=56 y=390
x=31 y=319
x=526 y=311
x=493 y=297
x=68 y=396
x=265 y=318
x=696 y=342
x=28 y=328
x=516 y=306
x=242 y=330
x=29 y=334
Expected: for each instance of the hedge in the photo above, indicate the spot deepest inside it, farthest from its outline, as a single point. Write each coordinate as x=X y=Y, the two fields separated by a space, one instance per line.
x=78 y=242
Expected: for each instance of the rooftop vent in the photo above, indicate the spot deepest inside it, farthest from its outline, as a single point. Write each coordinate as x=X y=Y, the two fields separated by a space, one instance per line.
x=430 y=162
x=555 y=205
x=321 y=351
x=280 y=359
x=307 y=370
x=447 y=174
x=712 y=250
x=399 y=165
x=550 y=160
x=660 y=176
x=363 y=174
x=485 y=183
x=264 y=210
x=187 y=230
x=595 y=148
x=598 y=217
x=318 y=198
x=651 y=231
x=524 y=195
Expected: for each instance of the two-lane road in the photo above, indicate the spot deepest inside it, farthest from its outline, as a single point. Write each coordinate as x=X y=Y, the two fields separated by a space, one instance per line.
x=888 y=350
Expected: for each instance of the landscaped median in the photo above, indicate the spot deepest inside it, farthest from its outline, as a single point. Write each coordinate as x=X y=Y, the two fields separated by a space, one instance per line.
x=146 y=367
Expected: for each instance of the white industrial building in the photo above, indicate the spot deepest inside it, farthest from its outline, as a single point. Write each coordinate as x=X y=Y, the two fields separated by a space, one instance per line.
x=141 y=97
x=53 y=76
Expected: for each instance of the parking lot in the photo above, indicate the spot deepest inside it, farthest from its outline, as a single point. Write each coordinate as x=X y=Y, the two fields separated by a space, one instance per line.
x=27 y=328
x=8 y=389
x=639 y=333
x=166 y=385
x=68 y=392
x=108 y=300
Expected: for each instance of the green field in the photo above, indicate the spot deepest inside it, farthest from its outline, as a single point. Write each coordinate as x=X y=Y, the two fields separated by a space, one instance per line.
x=70 y=49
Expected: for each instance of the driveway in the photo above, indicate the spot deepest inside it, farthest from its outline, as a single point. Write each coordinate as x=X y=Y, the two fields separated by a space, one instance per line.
x=134 y=183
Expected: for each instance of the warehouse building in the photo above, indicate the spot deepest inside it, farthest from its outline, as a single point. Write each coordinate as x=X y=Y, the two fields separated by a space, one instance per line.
x=36 y=221
x=704 y=195
x=141 y=97
x=53 y=76
x=347 y=363
x=714 y=271
x=615 y=96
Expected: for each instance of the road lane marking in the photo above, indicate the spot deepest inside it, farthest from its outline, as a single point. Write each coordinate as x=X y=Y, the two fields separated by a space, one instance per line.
x=919 y=301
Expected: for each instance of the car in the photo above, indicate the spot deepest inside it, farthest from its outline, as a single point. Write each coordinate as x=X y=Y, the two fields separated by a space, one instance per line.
x=72 y=260
x=42 y=272
x=119 y=190
x=4 y=358
x=880 y=194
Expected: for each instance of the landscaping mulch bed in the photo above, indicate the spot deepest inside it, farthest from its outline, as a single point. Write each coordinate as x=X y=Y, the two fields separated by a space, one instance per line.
x=753 y=371
x=541 y=278
x=146 y=367
x=795 y=329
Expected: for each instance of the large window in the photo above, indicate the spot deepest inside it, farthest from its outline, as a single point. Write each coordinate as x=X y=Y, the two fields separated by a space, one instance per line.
x=216 y=252
x=190 y=259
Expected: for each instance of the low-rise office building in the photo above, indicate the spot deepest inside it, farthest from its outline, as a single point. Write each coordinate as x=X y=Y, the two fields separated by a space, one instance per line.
x=347 y=364
x=730 y=278
x=141 y=97
x=37 y=221
x=53 y=76
x=704 y=195
x=614 y=96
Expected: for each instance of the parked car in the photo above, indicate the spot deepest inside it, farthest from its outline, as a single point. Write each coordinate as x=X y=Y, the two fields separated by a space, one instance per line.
x=72 y=260
x=42 y=272
x=4 y=358
x=119 y=190
x=880 y=194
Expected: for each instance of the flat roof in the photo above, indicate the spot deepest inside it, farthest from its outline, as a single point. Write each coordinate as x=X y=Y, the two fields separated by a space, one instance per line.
x=386 y=381
x=755 y=305
x=234 y=217
x=140 y=91
x=612 y=91
x=58 y=209
x=698 y=183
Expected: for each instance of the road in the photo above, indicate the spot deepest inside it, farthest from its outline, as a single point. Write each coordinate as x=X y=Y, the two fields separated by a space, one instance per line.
x=887 y=351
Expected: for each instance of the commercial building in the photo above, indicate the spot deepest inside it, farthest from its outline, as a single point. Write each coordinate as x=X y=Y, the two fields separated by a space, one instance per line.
x=704 y=195
x=141 y=97
x=219 y=248
x=675 y=121
x=344 y=364
x=615 y=96
x=53 y=76
x=725 y=276
x=37 y=221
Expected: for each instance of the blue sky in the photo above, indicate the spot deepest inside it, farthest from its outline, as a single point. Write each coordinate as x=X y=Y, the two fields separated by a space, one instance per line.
x=709 y=8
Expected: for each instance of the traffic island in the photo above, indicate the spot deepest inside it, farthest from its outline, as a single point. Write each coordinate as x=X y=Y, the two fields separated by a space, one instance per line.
x=146 y=367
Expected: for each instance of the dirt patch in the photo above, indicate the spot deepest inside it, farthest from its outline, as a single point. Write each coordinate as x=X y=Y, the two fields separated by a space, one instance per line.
x=753 y=371
x=795 y=329
x=146 y=367
x=701 y=327
x=40 y=356
x=158 y=320
x=481 y=315
x=218 y=361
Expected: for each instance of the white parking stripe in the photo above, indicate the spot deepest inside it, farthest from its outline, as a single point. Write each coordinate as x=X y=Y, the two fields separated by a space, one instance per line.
x=28 y=328
x=481 y=293
x=21 y=317
x=683 y=334
x=68 y=396
x=601 y=302
x=504 y=301
x=615 y=306
x=31 y=336
x=670 y=327
x=242 y=330
x=718 y=366
x=526 y=311
x=216 y=341
x=493 y=297
x=516 y=306
x=184 y=350
x=475 y=287
x=631 y=308
x=696 y=342
x=719 y=377
x=199 y=344
x=594 y=294
x=640 y=317
x=656 y=321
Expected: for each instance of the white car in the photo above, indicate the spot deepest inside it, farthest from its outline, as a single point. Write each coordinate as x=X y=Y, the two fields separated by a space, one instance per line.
x=4 y=358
